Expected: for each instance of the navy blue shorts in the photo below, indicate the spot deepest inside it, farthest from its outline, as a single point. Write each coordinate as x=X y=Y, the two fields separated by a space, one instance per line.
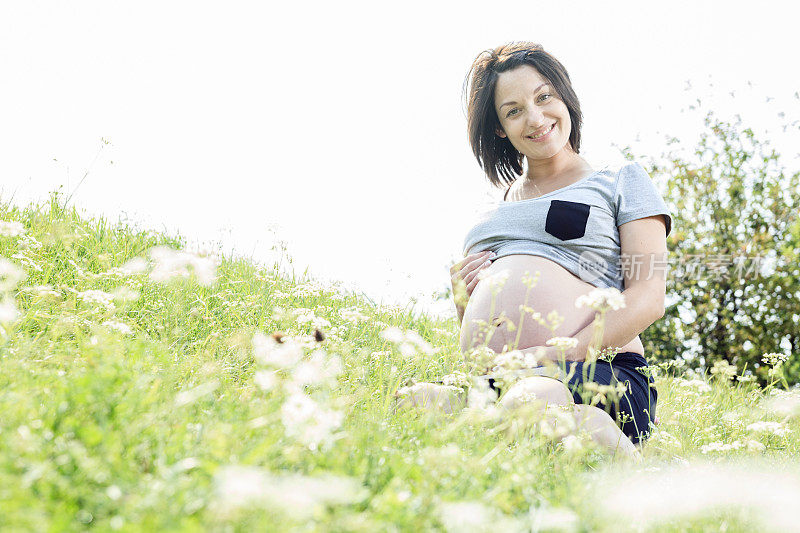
x=637 y=406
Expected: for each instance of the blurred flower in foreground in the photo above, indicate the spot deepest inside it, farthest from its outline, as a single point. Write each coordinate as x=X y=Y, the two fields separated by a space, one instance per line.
x=305 y=420
x=171 y=264
x=192 y=395
x=553 y=519
x=602 y=299
x=643 y=499
x=296 y=495
x=10 y=275
x=268 y=351
x=407 y=342
x=43 y=292
x=783 y=403
x=563 y=342
x=724 y=370
x=8 y=311
x=11 y=228
x=458 y=517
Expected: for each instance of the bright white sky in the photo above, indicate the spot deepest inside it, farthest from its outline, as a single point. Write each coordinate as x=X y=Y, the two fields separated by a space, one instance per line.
x=339 y=127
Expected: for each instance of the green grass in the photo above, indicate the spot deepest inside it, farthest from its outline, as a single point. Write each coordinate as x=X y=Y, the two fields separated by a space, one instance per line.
x=145 y=431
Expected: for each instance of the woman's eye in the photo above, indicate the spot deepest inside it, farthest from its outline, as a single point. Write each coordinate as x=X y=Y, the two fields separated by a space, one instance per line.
x=511 y=113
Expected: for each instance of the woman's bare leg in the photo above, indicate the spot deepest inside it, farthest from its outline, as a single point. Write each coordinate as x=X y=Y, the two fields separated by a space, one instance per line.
x=551 y=393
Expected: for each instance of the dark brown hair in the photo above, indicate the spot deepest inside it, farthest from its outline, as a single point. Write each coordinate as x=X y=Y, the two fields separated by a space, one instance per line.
x=501 y=162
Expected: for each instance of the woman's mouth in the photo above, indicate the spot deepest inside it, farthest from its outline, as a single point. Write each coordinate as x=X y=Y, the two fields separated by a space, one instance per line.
x=543 y=136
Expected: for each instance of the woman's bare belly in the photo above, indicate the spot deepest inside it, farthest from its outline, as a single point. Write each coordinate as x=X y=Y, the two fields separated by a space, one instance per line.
x=556 y=289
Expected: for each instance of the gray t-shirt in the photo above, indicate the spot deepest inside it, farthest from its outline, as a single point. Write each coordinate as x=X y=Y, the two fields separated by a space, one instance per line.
x=575 y=226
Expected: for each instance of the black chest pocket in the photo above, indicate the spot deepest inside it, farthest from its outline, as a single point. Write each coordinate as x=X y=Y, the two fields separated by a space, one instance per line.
x=567 y=220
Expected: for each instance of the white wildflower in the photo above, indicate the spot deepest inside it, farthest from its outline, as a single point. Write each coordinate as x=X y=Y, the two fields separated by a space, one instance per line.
x=135 y=265
x=559 y=424
x=664 y=438
x=95 y=296
x=732 y=418
x=602 y=299
x=407 y=342
x=266 y=379
x=319 y=369
x=380 y=355
x=783 y=403
x=563 y=342
x=353 y=315
x=306 y=421
x=307 y=316
x=27 y=261
x=456 y=379
x=724 y=370
x=123 y=294
x=777 y=428
x=44 y=292
x=467 y=516
x=29 y=242
x=297 y=495
x=10 y=275
x=495 y=280
x=8 y=311
x=121 y=327
x=719 y=447
x=515 y=360
x=170 y=264
x=692 y=490
x=116 y=272
x=572 y=444
x=393 y=334
x=754 y=446
x=553 y=519
x=192 y=395
x=697 y=384
x=114 y=493
x=774 y=359
x=10 y=228
x=268 y=351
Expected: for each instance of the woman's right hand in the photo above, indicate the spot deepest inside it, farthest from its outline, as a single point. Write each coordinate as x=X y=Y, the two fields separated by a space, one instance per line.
x=464 y=275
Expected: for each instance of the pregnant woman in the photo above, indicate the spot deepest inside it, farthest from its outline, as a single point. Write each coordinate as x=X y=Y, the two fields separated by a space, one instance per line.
x=579 y=227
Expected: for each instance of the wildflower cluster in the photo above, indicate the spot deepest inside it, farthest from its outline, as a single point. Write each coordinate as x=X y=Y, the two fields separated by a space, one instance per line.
x=10 y=276
x=169 y=264
x=724 y=370
x=602 y=299
x=774 y=359
x=288 y=370
x=408 y=342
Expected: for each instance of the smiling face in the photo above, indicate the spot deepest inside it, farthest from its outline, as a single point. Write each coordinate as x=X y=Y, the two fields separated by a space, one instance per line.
x=527 y=106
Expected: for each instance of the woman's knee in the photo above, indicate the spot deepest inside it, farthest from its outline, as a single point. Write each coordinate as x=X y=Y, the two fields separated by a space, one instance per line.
x=431 y=396
x=542 y=389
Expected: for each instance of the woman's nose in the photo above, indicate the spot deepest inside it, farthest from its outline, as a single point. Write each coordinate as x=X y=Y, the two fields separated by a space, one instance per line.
x=535 y=118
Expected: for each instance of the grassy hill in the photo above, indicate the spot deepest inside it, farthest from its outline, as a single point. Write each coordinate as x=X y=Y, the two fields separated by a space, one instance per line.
x=143 y=388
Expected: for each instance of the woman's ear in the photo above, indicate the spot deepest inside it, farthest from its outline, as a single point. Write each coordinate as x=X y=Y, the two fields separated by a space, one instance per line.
x=500 y=133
